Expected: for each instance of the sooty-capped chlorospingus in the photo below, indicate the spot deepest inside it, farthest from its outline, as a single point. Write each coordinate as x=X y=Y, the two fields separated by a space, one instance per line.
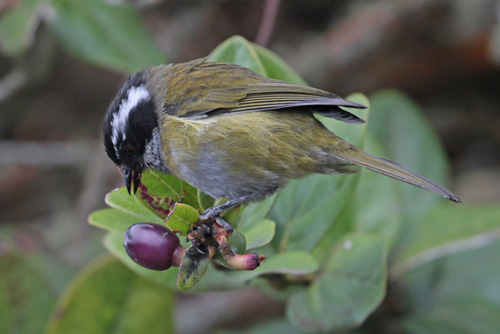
x=232 y=133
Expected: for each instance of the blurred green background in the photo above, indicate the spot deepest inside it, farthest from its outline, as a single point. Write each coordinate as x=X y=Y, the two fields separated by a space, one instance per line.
x=62 y=61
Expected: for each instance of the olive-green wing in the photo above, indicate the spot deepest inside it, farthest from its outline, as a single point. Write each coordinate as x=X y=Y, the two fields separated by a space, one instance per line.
x=201 y=89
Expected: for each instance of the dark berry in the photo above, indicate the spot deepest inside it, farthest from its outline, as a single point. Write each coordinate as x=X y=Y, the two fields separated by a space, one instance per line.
x=151 y=245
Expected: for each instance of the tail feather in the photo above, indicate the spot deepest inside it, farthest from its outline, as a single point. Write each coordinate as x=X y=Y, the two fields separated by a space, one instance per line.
x=386 y=167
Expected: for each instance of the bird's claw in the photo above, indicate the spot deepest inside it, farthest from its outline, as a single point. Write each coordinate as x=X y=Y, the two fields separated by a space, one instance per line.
x=204 y=219
x=224 y=224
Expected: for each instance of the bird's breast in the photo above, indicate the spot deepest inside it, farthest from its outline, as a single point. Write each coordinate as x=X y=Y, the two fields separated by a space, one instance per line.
x=234 y=155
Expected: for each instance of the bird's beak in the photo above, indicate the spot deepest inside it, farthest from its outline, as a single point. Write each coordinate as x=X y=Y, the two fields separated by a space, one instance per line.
x=131 y=175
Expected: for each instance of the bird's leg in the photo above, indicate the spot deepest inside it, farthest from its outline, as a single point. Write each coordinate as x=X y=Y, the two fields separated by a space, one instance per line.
x=222 y=222
x=215 y=211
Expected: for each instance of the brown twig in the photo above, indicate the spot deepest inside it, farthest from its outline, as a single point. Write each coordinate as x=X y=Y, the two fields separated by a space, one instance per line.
x=267 y=23
x=47 y=154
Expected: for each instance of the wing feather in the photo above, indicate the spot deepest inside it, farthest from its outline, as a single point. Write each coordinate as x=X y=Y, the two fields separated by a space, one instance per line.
x=200 y=89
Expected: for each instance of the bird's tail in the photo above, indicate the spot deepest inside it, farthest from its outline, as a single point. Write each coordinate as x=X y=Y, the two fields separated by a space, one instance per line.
x=353 y=154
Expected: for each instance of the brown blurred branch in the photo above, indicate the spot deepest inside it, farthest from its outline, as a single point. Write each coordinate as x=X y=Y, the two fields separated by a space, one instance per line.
x=414 y=45
x=11 y=83
x=267 y=23
x=46 y=154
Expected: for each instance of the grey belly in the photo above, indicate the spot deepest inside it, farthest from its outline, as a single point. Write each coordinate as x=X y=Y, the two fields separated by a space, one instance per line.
x=217 y=179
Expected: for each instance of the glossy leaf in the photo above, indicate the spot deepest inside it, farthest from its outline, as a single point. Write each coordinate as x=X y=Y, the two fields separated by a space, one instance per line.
x=256 y=211
x=237 y=50
x=450 y=229
x=204 y=201
x=275 y=67
x=376 y=201
x=182 y=218
x=193 y=267
x=238 y=242
x=459 y=316
x=468 y=274
x=273 y=326
x=26 y=297
x=162 y=186
x=286 y=263
x=121 y=200
x=408 y=138
x=18 y=25
x=159 y=205
x=113 y=219
x=259 y=233
x=134 y=305
x=105 y=34
x=232 y=214
x=454 y=294
x=350 y=287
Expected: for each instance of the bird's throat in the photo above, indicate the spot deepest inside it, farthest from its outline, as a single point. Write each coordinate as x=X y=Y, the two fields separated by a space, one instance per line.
x=152 y=157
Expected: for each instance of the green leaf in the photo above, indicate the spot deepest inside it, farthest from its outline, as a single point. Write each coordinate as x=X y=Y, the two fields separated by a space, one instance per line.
x=408 y=138
x=275 y=67
x=468 y=274
x=193 y=267
x=105 y=34
x=113 y=242
x=259 y=233
x=238 y=242
x=162 y=185
x=26 y=297
x=107 y=297
x=113 y=220
x=181 y=219
x=237 y=50
x=121 y=200
x=205 y=201
x=232 y=214
x=379 y=214
x=256 y=211
x=286 y=263
x=351 y=286
x=19 y=24
x=160 y=206
x=306 y=209
x=458 y=316
x=273 y=326
x=165 y=185
x=447 y=230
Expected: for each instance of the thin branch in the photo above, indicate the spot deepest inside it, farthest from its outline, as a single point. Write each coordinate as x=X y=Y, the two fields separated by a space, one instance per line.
x=267 y=23
x=447 y=249
x=46 y=154
x=11 y=83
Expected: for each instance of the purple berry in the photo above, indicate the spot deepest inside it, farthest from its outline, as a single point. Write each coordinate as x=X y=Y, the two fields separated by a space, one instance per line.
x=151 y=245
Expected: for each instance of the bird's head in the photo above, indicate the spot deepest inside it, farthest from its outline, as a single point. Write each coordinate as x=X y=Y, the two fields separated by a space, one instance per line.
x=129 y=126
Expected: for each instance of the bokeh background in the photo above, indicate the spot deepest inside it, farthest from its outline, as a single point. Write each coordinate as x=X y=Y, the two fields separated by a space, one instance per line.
x=54 y=93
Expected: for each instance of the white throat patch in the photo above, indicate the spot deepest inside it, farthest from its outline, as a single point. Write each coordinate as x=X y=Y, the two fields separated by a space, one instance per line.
x=119 y=122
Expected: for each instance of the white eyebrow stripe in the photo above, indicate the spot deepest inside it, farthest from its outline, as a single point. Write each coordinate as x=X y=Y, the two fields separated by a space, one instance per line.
x=119 y=122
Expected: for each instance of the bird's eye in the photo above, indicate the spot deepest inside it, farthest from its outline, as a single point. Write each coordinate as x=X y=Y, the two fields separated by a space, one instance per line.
x=130 y=150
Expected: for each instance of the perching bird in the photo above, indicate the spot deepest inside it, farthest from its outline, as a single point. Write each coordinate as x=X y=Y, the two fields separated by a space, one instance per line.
x=233 y=133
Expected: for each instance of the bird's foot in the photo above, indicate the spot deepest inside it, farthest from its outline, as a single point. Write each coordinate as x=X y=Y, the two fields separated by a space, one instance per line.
x=204 y=219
